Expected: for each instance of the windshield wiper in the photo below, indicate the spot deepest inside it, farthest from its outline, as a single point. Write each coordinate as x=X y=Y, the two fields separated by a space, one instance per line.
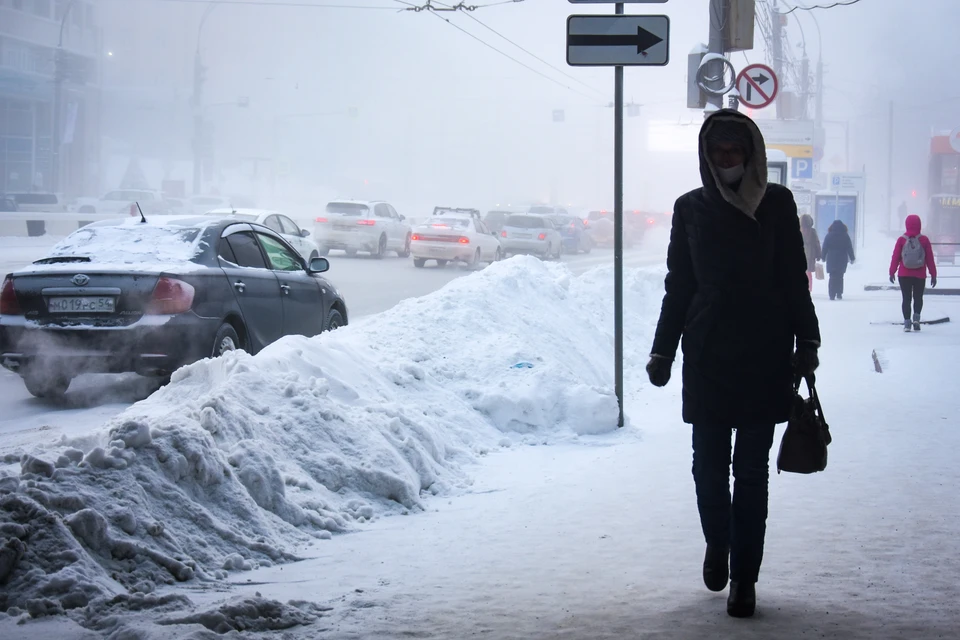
x=60 y=259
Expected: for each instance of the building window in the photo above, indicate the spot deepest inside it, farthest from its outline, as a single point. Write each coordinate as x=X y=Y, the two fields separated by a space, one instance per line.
x=59 y=6
x=18 y=4
x=90 y=16
x=41 y=8
x=76 y=15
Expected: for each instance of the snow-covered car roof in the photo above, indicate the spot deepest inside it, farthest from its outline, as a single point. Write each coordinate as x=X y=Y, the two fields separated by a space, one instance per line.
x=242 y=211
x=361 y=202
x=129 y=244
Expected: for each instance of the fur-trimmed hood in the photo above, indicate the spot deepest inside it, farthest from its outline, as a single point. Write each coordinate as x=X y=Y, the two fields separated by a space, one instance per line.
x=753 y=186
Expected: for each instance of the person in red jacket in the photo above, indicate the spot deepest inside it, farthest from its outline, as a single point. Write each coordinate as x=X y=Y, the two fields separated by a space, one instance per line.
x=912 y=257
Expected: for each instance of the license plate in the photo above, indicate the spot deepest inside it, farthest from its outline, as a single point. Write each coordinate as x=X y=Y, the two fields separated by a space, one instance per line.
x=82 y=304
x=523 y=235
x=344 y=227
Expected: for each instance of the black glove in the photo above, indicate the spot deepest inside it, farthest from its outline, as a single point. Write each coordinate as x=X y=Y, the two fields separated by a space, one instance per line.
x=805 y=360
x=892 y=280
x=658 y=369
x=933 y=282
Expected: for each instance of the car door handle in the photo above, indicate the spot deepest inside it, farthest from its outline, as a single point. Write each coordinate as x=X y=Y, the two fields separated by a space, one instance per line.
x=285 y=288
x=239 y=286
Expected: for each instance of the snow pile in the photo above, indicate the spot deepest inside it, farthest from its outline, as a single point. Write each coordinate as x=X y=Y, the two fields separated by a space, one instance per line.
x=243 y=460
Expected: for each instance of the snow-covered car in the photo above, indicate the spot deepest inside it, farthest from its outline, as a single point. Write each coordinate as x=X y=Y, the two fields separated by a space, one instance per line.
x=120 y=201
x=124 y=295
x=352 y=226
x=454 y=238
x=284 y=225
x=531 y=233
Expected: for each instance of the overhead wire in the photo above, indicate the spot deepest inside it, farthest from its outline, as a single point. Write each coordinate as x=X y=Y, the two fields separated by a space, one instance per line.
x=508 y=56
x=533 y=55
x=839 y=3
x=285 y=3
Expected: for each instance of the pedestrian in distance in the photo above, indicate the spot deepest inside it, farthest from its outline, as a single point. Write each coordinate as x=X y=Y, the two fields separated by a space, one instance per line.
x=912 y=258
x=737 y=295
x=811 y=247
x=837 y=252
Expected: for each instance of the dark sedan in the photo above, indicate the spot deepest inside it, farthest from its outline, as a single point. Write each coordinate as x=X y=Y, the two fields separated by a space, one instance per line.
x=150 y=297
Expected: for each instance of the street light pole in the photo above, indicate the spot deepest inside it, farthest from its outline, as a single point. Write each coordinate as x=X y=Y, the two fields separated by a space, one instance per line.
x=197 y=103
x=59 y=75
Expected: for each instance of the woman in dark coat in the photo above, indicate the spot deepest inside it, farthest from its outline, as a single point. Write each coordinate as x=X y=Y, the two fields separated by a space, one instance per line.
x=837 y=252
x=736 y=292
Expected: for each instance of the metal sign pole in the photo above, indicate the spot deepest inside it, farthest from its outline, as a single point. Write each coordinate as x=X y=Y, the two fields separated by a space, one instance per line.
x=618 y=230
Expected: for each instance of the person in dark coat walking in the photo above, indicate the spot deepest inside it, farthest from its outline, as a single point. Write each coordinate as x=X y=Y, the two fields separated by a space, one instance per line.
x=737 y=295
x=837 y=253
x=811 y=247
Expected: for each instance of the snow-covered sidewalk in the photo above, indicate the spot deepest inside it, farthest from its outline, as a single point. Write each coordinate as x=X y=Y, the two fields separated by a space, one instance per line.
x=528 y=517
x=601 y=539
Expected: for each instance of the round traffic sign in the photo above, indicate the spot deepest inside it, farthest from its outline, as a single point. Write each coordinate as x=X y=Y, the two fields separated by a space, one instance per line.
x=758 y=86
x=955 y=139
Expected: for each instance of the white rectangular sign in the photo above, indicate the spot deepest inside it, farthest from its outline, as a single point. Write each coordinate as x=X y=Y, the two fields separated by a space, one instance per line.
x=847 y=182
x=786 y=132
x=611 y=41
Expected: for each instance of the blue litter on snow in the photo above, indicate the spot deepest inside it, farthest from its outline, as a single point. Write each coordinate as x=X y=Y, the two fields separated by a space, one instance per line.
x=523 y=365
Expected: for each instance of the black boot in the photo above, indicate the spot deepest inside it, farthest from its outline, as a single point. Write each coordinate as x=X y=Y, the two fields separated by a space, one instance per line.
x=716 y=567
x=742 y=601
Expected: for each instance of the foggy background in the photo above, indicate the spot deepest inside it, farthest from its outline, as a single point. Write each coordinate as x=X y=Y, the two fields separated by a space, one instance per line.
x=400 y=105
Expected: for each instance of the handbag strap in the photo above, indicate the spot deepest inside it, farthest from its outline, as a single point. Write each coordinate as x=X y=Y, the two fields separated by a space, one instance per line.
x=811 y=381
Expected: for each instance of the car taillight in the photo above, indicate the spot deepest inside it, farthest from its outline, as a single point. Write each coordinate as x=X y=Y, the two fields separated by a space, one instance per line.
x=171 y=296
x=415 y=236
x=503 y=234
x=464 y=240
x=9 y=305
x=542 y=236
x=367 y=223
x=321 y=220
x=573 y=226
x=651 y=221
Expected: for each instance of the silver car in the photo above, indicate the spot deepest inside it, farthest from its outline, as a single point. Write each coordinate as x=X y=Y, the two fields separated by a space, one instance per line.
x=531 y=233
x=353 y=226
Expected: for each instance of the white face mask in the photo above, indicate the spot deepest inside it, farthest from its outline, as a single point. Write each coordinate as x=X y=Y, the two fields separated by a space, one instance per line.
x=731 y=175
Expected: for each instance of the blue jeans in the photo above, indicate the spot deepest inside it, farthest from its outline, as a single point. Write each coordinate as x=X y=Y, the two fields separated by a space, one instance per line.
x=739 y=523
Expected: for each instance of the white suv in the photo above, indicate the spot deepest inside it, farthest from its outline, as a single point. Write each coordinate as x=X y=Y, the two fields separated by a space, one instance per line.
x=352 y=226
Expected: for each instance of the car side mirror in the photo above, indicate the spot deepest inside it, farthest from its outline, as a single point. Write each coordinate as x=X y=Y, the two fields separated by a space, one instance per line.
x=494 y=234
x=402 y=218
x=319 y=265
x=304 y=233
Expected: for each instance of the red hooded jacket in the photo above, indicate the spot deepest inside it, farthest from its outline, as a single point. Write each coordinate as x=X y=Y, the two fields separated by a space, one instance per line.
x=896 y=265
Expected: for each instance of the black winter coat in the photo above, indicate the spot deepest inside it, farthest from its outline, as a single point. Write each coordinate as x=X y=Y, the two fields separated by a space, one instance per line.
x=736 y=291
x=837 y=248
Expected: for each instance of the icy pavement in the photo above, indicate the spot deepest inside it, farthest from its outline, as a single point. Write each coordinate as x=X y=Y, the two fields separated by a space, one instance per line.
x=543 y=524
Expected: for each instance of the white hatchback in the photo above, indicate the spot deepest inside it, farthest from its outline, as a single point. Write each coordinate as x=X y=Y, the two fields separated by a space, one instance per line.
x=284 y=225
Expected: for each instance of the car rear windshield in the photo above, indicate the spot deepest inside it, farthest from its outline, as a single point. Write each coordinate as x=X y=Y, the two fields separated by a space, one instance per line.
x=348 y=208
x=562 y=220
x=131 y=244
x=525 y=222
x=453 y=223
x=542 y=210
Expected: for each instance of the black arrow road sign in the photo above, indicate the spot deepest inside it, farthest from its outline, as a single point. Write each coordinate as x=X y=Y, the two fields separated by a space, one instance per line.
x=642 y=41
x=618 y=40
x=760 y=79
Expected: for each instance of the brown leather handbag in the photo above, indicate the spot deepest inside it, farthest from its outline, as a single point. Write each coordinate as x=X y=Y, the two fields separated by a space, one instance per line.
x=803 y=448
